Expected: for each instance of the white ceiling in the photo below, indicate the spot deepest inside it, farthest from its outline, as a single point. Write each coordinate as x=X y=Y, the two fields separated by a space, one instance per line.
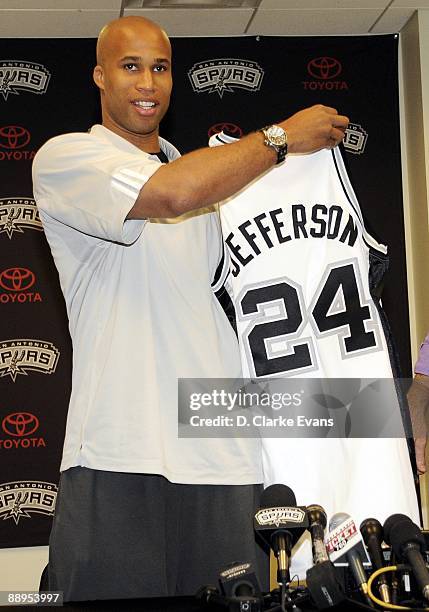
x=84 y=18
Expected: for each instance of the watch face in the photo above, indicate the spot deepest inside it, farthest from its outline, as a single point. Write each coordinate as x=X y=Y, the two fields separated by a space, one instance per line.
x=277 y=135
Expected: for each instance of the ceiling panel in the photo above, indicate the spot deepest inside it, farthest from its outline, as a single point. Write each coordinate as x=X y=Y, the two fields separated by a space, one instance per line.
x=53 y=23
x=198 y=22
x=313 y=22
x=416 y=4
x=393 y=20
x=326 y=4
x=190 y=3
x=61 y=4
x=74 y=18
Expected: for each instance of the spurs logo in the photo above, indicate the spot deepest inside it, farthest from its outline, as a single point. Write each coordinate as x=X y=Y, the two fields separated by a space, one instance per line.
x=21 y=499
x=225 y=74
x=277 y=516
x=23 y=356
x=18 y=214
x=355 y=138
x=18 y=75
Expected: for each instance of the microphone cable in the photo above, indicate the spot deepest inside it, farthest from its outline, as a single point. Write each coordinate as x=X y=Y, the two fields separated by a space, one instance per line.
x=379 y=602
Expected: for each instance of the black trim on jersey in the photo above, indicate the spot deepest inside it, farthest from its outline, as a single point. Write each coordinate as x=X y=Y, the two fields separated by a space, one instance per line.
x=399 y=386
x=358 y=212
x=220 y=265
x=161 y=156
x=228 y=133
x=367 y=225
x=228 y=307
x=378 y=266
x=222 y=295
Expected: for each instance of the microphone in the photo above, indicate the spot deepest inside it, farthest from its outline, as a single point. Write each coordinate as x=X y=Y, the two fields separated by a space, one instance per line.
x=239 y=580
x=323 y=585
x=317 y=523
x=280 y=522
x=345 y=544
x=372 y=533
x=209 y=596
x=322 y=582
x=407 y=541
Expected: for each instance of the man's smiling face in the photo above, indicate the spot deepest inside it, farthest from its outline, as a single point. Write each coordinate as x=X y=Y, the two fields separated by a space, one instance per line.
x=134 y=77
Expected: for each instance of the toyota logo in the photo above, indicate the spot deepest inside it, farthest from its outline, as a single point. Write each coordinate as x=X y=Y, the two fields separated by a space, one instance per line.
x=324 y=68
x=14 y=137
x=20 y=424
x=17 y=279
x=230 y=128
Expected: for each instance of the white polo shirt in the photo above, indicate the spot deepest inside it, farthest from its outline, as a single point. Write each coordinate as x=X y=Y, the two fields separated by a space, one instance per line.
x=141 y=314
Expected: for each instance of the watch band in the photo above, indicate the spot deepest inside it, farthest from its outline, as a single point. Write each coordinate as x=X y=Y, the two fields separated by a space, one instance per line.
x=276 y=138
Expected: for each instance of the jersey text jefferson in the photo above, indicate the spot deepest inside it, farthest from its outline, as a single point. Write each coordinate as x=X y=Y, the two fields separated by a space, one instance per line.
x=278 y=226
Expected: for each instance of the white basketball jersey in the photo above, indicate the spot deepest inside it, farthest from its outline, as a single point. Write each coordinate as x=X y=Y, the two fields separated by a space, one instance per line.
x=298 y=277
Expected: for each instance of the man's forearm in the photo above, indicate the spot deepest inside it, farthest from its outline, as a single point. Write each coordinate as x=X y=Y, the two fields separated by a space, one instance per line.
x=207 y=176
x=203 y=177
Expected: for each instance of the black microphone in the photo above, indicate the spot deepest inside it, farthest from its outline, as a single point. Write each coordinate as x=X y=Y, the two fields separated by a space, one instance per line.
x=209 y=595
x=372 y=533
x=324 y=586
x=407 y=542
x=317 y=523
x=345 y=541
x=390 y=521
x=239 y=580
x=322 y=581
x=280 y=522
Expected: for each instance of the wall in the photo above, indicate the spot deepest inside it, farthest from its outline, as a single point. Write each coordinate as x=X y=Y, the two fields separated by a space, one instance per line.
x=20 y=568
x=414 y=97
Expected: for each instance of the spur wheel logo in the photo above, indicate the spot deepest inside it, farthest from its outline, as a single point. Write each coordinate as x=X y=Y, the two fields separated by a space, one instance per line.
x=18 y=214
x=21 y=499
x=278 y=515
x=229 y=128
x=225 y=74
x=355 y=138
x=325 y=71
x=20 y=424
x=18 y=75
x=16 y=283
x=24 y=356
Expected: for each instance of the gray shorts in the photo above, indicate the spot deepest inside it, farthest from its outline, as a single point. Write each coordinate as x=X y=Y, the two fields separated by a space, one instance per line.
x=118 y=535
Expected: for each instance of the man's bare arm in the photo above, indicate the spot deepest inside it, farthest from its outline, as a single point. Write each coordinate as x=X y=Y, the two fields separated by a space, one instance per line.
x=418 y=402
x=210 y=175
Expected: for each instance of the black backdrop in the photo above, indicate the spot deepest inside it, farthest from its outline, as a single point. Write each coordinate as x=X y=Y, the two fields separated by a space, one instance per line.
x=46 y=89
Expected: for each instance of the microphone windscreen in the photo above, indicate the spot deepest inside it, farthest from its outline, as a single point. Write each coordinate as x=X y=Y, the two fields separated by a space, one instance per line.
x=370 y=526
x=337 y=519
x=406 y=532
x=390 y=522
x=277 y=495
x=317 y=513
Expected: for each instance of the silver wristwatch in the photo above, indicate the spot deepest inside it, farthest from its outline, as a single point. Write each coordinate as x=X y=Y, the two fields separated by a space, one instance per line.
x=276 y=138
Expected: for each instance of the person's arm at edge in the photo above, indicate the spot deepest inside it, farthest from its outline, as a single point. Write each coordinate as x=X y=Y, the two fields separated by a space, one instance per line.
x=418 y=403
x=210 y=175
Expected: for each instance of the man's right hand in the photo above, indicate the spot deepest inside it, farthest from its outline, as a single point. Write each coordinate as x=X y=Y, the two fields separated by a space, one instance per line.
x=314 y=128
